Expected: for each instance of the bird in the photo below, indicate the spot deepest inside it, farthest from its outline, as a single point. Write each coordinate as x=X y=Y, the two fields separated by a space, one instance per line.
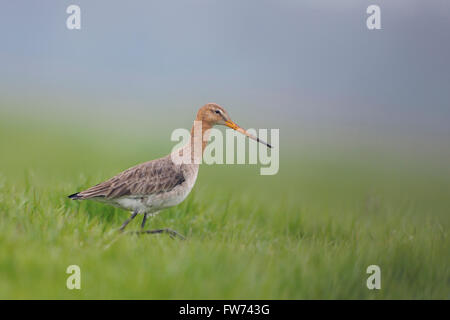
x=155 y=185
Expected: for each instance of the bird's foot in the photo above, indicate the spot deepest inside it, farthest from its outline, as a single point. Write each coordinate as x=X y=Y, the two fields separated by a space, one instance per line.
x=172 y=233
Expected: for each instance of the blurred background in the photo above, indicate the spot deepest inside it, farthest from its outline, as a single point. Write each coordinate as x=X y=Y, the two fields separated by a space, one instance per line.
x=363 y=118
x=310 y=68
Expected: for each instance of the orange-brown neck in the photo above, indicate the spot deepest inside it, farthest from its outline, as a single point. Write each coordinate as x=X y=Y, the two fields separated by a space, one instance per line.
x=199 y=136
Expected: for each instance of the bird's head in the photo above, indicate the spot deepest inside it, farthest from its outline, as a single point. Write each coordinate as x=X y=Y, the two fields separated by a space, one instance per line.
x=213 y=114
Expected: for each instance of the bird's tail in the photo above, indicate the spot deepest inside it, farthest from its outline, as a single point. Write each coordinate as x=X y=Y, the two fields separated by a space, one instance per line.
x=75 y=196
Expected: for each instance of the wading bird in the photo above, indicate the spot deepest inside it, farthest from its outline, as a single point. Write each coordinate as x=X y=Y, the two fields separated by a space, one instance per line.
x=161 y=183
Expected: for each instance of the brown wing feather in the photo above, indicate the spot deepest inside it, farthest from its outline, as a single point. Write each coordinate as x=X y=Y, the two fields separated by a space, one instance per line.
x=155 y=176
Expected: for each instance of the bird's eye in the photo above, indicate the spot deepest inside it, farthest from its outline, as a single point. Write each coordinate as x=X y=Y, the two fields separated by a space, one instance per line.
x=217 y=111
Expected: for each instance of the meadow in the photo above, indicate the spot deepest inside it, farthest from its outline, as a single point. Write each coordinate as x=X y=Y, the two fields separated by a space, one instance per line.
x=308 y=232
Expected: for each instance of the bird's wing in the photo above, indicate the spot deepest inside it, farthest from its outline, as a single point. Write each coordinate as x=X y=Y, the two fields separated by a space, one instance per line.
x=156 y=176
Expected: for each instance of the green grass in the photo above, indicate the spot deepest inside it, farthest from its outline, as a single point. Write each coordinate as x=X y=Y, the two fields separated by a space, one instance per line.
x=309 y=232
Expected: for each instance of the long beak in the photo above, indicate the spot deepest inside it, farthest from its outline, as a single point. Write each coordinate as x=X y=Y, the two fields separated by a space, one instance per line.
x=234 y=126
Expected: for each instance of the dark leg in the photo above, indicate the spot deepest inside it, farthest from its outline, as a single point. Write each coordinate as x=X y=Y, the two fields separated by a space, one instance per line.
x=144 y=220
x=172 y=233
x=128 y=221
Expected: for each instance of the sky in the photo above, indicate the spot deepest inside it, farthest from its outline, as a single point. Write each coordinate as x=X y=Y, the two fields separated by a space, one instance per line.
x=284 y=63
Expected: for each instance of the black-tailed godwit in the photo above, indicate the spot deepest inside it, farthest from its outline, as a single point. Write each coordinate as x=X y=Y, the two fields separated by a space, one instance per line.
x=161 y=183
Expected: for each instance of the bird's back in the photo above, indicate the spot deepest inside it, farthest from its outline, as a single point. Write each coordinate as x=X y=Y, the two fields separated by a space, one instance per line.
x=148 y=186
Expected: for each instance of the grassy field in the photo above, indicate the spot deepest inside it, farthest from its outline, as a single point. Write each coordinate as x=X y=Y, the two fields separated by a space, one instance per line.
x=309 y=232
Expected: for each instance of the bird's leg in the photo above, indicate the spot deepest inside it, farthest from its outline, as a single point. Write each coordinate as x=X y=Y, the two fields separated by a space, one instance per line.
x=133 y=215
x=144 y=220
x=172 y=233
